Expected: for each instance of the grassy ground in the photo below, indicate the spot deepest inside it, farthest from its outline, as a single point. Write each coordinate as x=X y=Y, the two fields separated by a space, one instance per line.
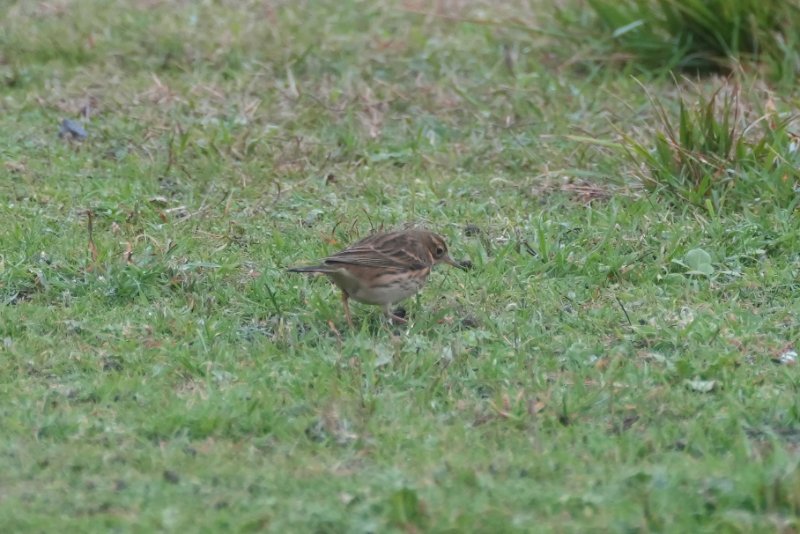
x=166 y=373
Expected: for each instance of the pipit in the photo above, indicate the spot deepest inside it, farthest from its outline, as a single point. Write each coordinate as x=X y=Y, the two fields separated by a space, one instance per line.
x=384 y=268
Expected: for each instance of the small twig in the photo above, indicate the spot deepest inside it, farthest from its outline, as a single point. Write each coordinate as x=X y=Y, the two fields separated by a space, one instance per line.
x=353 y=226
x=508 y=59
x=529 y=249
x=228 y=200
x=91 y=245
x=334 y=330
x=505 y=414
x=170 y=156
x=127 y=256
x=333 y=230
x=623 y=311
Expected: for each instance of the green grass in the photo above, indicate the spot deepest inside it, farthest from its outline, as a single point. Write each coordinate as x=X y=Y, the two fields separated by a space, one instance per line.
x=611 y=362
x=699 y=35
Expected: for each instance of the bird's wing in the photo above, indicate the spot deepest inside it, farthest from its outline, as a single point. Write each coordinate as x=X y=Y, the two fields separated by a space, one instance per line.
x=387 y=251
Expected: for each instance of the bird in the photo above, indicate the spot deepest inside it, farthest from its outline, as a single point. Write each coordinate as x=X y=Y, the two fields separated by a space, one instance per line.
x=384 y=268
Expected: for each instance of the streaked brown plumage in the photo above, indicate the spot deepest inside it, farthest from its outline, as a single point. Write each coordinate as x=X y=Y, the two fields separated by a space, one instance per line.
x=384 y=268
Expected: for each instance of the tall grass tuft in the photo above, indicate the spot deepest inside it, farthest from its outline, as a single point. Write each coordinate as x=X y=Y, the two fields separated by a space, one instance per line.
x=702 y=35
x=714 y=155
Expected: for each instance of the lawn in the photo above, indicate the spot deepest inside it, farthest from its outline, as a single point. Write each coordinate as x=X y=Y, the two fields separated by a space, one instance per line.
x=620 y=358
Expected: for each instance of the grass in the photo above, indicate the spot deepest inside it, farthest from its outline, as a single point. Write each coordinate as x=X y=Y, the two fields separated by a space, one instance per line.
x=701 y=35
x=717 y=154
x=611 y=363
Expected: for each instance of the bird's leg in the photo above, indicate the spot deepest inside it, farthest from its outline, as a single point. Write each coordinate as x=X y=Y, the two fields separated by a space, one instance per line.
x=387 y=311
x=346 y=305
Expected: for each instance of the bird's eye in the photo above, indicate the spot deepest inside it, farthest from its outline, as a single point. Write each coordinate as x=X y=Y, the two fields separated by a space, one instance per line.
x=439 y=251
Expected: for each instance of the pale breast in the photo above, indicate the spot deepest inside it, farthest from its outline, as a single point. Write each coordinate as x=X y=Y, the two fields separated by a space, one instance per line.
x=390 y=288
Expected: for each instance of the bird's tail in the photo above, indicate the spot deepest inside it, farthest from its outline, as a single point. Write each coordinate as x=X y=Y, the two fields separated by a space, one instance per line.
x=311 y=269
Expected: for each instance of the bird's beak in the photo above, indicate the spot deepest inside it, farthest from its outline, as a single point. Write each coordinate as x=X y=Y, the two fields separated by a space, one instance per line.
x=450 y=261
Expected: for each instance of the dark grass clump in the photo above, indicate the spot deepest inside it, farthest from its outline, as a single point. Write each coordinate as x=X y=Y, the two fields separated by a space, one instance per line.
x=701 y=35
x=715 y=153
